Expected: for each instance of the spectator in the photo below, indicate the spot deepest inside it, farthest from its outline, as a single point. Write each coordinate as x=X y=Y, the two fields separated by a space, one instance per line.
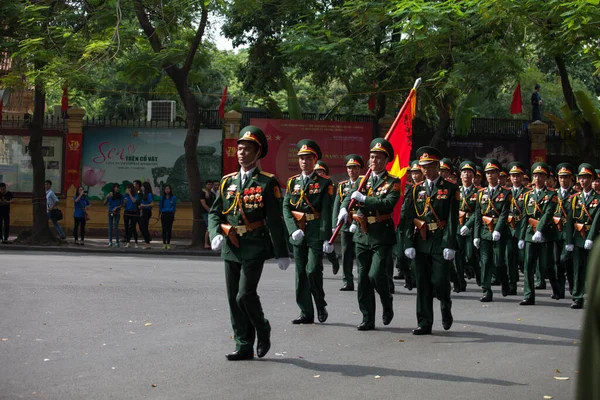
x=79 y=215
x=207 y=198
x=146 y=207
x=6 y=198
x=51 y=209
x=115 y=203
x=131 y=216
x=168 y=205
x=536 y=102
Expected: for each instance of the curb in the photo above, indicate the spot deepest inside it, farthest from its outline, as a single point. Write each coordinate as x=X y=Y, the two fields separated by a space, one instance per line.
x=110 y=252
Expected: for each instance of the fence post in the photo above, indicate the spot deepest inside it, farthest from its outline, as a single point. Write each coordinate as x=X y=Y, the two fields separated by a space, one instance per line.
x=74 y=148
x=538 y=131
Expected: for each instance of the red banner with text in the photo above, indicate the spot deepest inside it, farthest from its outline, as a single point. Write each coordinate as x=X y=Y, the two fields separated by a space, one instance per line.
x=336 y=140
x=230 y=162
x=538 y=156
x=73 y=160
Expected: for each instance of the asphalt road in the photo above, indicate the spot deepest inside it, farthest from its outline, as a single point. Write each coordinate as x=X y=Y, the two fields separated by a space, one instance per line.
x=77 y=326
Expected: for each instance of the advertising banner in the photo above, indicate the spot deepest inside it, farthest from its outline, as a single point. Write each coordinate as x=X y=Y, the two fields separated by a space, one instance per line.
x=155 y=155
x=74 y=149
x=336 y=140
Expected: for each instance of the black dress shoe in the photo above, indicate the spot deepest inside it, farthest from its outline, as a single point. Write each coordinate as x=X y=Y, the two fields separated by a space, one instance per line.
x=456 y=287
x=577 y=305
x=303 y=320
x=336 y=268
x=495 y=282
x=505 y=289
x=262 y=348
x=366 y=326
x=478 y=281
x=486 y=299
x=541 y=286
x=347 y=288
x=397 y=277
x=527 y=302
x=463 y=287
x=512 y=292
x=237 y=356
x=387 y=317
x=322 y=314
x=421 y=331
x=447 y=320
x=409 y=284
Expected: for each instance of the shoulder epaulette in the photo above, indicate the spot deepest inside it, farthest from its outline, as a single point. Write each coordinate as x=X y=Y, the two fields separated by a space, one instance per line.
x=267 y=174
x=481 y=189
x=293 y=177
x=324 y=176
x=418 y=183
x=573 y=195
x=551 y=189
x=361 y=176
x=343 y=182
x=229 y=175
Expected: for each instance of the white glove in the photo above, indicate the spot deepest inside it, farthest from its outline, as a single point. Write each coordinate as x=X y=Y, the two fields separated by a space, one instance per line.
x=476 y=243
x=353 y=228
x=464 y=231
x=217 y=243
x=342 y=215
x=410 y=253
x=569 y=247
x=496 y=236
x=449 y=254
x=327 y=248
x=358 y=196
x=521 y=244
x=297 y=234
x=283 y=263
x=588 y=244
x=537 y=236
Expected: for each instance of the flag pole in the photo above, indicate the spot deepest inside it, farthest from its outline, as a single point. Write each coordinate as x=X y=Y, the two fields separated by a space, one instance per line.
x=338 y=228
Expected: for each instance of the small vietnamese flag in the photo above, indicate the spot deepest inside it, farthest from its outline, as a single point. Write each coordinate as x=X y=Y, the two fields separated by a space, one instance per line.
x=516 y=106
x=222 y=104
x=64 y=103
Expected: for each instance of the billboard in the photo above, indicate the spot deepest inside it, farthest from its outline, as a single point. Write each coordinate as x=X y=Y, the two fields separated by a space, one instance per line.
x=156 y=155
x=336 y=140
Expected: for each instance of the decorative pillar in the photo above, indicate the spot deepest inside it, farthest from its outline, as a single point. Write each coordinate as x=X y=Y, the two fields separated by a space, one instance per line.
x=538 y=132
x=74 y=148
x=231 y=130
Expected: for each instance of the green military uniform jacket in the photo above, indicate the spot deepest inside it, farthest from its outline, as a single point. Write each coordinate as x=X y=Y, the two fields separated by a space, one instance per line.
x=316 y=195
x=563 y=208
x=541 y=207
x=259 y=200
x=516 y=214
x=444 y=200
x=467 y=204
x=381 y=200
x=496 y=207
x=344 y=188
x=580 y=208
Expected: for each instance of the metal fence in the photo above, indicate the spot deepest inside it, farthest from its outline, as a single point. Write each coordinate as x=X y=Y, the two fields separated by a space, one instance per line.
x=497 y=127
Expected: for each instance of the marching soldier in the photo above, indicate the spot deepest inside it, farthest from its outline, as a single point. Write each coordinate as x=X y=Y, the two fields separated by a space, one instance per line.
x=582 y=229
x=466 y=255
x=354 y=164
x=539 y=233
x=433 y=210
x=245 y=224
x=491 y=230
x=515 y=216
x=563 y=258
x=307 y=207
x=323 y=170
x=447 y=169
x=478 y=177
x=504 y=178
x=373 y=228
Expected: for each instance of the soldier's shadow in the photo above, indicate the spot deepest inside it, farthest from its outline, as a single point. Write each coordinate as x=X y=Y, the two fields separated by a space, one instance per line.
x=571 y=334
x=479 y=337
x=364 y=370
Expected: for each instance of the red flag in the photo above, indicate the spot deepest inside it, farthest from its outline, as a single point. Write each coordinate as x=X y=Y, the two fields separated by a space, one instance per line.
x=64 y=104
x=373 y=99
x=516 y=107
x=222 y=104
x=400 y=137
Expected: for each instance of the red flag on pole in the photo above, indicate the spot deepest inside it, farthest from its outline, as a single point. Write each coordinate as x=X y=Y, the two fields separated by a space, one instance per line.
x=222 y=104
x=373 y=99
x=64 y=103
x=516 y=107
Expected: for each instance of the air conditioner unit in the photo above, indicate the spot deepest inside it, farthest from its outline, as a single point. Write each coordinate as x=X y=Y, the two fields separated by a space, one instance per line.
x=161 y=110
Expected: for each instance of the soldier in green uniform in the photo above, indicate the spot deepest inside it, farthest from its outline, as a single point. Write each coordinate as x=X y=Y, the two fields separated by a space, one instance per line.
x=478 y=177
x=465 y=256
x=245 y=224
x=538 y=232
x=582 y=229
x=323 y=170
x=563 y=259
x=491 y=230
x=354 y=164
x=432 y=208
x=515 y=215
x=503 y=178
x=373 y=228
x=307 y=207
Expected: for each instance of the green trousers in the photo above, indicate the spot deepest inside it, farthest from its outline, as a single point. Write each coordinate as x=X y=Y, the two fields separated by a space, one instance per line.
x=541 y=254
x=465 y=258
x=372 y=265
x=247 y=317
x=348 y=255
x=580 y=260
x=309 y=279
x=512 y=259
x=493 y=261
x=432 y=274
x=563 y=261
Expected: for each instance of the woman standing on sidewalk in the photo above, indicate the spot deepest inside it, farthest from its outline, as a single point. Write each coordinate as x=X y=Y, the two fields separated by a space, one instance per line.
x=146 y=207
x=168 y=205
x=131 y=216
x=81 y=205
x=115 y=203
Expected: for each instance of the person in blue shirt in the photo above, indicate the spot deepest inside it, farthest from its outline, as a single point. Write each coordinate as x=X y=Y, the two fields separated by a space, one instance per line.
x=146 y=207
x=166 y=212
x=79 y=215
x=131 y=215
x=115 y=202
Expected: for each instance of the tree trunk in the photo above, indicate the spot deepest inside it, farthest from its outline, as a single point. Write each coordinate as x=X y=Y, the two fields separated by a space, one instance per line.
x=443 y=111
x=586 y=133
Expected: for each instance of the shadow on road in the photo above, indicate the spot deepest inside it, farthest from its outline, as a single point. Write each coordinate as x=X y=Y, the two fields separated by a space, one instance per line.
x=572 y=334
